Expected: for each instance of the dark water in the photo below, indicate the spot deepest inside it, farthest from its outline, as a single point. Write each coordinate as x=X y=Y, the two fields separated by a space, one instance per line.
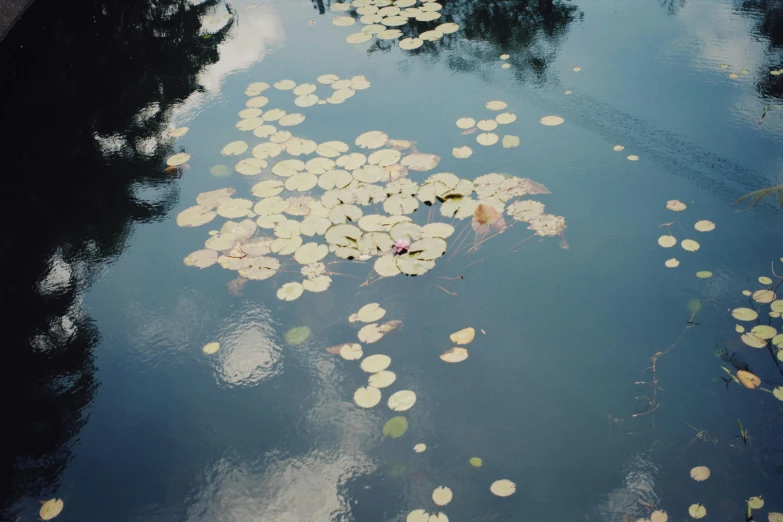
x=112 y=406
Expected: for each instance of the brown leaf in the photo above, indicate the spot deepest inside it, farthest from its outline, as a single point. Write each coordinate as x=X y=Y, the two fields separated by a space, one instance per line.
x=389 y=326
x=335 y=350
x=471 y=130
x=748 y=379
x=486 y=218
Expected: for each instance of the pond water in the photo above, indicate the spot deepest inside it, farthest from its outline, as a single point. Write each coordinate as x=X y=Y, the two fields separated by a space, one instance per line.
x=594 y=381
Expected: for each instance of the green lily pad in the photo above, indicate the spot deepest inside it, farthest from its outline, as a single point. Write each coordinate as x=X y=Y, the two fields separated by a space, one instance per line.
x=298 y=335
x=395 y=427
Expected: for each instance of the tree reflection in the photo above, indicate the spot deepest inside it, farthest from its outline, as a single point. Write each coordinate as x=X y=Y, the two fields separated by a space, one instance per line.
x=768 y=23
x=531 y=31
x=86 y=90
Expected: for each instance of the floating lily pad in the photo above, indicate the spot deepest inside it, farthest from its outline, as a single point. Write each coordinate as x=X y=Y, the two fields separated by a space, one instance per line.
x=178 y=159
x=442 y=496
x=195 y=216
x=454 y=355
x=463 y=336
x=690 y=245
x=748 y=380
x=551 y=121
x=659 y=516
x=509 y=141
x=420 y=447
x=744 y=314
x=382 y=379
x=201 y=258
x=764 y=296
x=700 y=473
x=496 y=105
x=51 y=508
x=487 y=138
x=367 y=397
x=704 y=225
x=395 y=427
x=753 y=341
x=370 y=334
x=371 y=313
x=503 y=488
x=234 y=148
x=704 y=274
x=476 y=462
x=755 y=502
x=672 y=263
x=375 y=363
x=352 y=352
x=298 y=335
x=697 y=511
x=667 y=241
x=402 y=400
x=675 y=205
x=290 y=291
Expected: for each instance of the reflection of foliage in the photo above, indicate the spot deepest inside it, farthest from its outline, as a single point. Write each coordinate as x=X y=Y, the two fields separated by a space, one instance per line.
x=767 y=16
x=74 y=72
x=529 y=30
x=754 y=197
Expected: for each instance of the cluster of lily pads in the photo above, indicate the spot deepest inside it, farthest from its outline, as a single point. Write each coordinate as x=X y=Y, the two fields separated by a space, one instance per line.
x=689 y=245
x=381 y=377
x=321 y=212
x=760 y=335
x=382 y=18
x=487 y=137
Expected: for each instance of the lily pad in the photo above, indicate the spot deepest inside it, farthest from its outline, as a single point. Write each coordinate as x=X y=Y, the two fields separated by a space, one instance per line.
x=371 y=313
x=700 y=473
x=367 y=397
x=697 y=511
x=476 y=462
x=395 y=427
x=675 y=205
x=421 y=448
x=509 y=141
x=51 y=508
x=551 y=121
x=755 y=502
x=442 y=496
x=298 y=335
x=748 y=380
x=463 y=336
x=503 y=488
x=352 y=352
x=704 y=225
x=290 y=291
x=235 y=148
x=201 y=258
x=382 y=379
x=402 y=400
x=454 y=355
x=211 y=348
x=690 y=245
x=178 y=159
x=376 y=363
x=667 y=241
x=744 y=314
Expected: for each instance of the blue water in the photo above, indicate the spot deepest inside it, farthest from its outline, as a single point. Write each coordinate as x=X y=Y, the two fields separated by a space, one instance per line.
x=267 y=431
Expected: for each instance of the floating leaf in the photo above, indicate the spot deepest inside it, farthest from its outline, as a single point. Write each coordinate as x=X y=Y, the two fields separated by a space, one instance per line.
x=741 y=329
x=441 y=496
x=764 y=332
x=700 y=473
x=402 y=400
x=420 y=161
x=690 y=245
x=659 y=516
x=764 y=296
x=408 y=44
x=496 y=105
x=675 y=205
x=744 y=314
x=51 y=508
x=476 y=462
x=463 y=336
x=201 y=258
x=371 y=313
x=704 y=274
x=748 y=379
x=618 y=148
x=510 y=141
x=234 y=148
x=503 y=488
x=395 y=427
x=367 y=397
x=667 y=241
x=487 y=138
x=420 y=447
x=704 y=225
x=178 y=159
x=454 y=355
x=376 y=363
x=290 y=291
x=697 y=511
x=672 y=263
x=351 y=352
x=775 y=517
x=211 y=348
x=551 y=121
x=298 y=335
x=755 y=502
x=753 y=341
x=382 y=379
x=466 y=123
x=462 y=152
x=633 y=157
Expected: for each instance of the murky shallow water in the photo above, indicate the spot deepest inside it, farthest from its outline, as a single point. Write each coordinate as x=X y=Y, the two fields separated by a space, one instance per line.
x=119 y=413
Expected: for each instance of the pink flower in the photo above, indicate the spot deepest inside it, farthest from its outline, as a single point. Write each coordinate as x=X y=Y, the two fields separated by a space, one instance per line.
x=402 y=245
